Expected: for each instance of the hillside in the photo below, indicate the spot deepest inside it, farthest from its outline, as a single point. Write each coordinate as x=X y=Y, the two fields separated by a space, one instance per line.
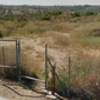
x=77 y=36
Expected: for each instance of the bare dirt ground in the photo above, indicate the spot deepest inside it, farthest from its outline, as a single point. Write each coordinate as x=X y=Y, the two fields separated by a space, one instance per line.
x=57 y=56
x=13 y=91
x=16 y=91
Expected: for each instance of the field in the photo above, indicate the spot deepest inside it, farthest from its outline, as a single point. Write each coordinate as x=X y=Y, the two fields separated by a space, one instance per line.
x=77 y=37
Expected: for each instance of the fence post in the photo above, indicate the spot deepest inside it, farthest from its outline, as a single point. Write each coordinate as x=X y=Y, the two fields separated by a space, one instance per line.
x=16 y=53
x=68 y=87
x=19 y=61
x=46 y=70
x=53 y=79
x=3 y=59
x=3 y=55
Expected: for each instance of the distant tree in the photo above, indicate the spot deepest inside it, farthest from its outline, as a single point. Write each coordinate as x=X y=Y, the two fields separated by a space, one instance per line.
x=57 y=12
x=75 y=14
x=45 y=17
x=89 y=13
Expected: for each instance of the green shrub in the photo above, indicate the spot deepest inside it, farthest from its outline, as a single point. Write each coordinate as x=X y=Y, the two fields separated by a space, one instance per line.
x=47 y=13
x=7 y=18
x=89 y=13
x=76 y=14
x=45 y=17
x=73 y=19
x=1 y=35
x=57 y=12
x=4 y=32
x=63 y=80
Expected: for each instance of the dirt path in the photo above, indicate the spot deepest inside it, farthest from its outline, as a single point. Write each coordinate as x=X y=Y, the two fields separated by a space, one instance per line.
x=3 y=98
x=14 y=91
x=56 y=55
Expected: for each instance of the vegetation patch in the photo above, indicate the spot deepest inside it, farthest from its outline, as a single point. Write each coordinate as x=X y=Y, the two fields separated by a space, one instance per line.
x=95 y=32
x=45 y=17
x=88 y=13
x=73 y=19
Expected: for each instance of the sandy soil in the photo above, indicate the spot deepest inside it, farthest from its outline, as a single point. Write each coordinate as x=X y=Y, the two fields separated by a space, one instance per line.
x=10 y=90
x=13 y=91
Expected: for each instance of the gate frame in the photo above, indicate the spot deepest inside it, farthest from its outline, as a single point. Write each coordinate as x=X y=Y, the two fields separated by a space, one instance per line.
x=18 y=63
x=18 y=60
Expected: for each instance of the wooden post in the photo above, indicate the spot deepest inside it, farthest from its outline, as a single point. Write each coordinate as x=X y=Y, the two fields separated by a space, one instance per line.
x=53 y=80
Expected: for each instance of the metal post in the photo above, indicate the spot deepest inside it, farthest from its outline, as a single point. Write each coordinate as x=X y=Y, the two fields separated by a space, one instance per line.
x=19 y=61
x=68 y=88
x=3 y=55
x=46 y=73
x=3 y=59
x=53 y=80
x=16 y=54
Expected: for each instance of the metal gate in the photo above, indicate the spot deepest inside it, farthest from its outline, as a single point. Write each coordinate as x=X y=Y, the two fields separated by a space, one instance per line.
x=17 y=64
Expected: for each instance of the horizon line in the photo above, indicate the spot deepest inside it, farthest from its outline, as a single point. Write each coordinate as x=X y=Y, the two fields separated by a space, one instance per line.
x=48 y=5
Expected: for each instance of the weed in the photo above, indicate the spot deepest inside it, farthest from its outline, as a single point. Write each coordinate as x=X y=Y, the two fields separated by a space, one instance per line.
x=73 y=19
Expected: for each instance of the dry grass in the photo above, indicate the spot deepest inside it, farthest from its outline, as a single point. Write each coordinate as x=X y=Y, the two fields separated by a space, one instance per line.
x=39 y=28
x=84 y=36
x=27 y=48
x=84 y=65
x=29 y=63
x=10 y=60
x=84 y=76
x=56 y=40
x=30 y=66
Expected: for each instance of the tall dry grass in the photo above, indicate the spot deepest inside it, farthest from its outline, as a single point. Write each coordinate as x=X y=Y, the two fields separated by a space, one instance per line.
x=84 y=76
x=56 y=40
x=9 y=60
x=86 y=36
x=29 y=64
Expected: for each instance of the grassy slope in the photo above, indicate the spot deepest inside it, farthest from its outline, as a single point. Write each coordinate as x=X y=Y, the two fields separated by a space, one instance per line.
x=79 y=39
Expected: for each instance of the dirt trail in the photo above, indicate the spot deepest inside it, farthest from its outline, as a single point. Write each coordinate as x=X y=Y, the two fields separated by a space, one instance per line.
x=14 y=91
x=56 y=55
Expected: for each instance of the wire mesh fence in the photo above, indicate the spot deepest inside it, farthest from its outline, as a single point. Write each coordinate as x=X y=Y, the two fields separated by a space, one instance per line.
x=84 y=77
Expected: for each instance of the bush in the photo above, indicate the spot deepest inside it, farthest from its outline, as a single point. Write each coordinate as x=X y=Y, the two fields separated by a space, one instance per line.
x=73 y=19
x=1 y=35
x=88 y=13
x=57 y=12
x=4 y=32
x=44 y=17
x=7 y=18
x=47 y=13
x=76 y=14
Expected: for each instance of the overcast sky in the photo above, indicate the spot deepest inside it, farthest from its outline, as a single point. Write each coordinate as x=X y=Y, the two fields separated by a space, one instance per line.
x=50 y=2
